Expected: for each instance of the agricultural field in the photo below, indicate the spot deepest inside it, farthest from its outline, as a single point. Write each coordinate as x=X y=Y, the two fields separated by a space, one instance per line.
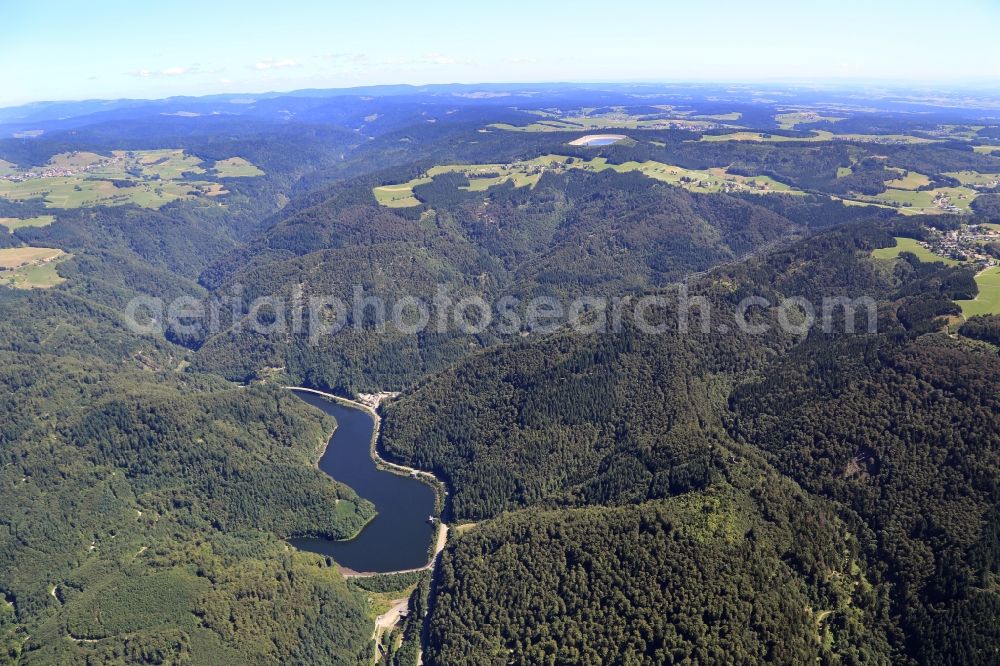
x=912 y=246
x=527 y=173
x=236 y=167
x=85 y=192
x=399 y=196
x=908 y=180
x=147 y=178
x=522 y=173
x=619 y=119
x=724 y=117
x=30 y=267
x=976 y=179
x=15 y=223
x=707 y=180
x=852 y=202
x=961 y=132
x=793 y=119
x=913 y=202
x=819 y=136
x=586 y=124
x=988 y=300
x=986 y=150
x=885 y=139
x=169 y=164
x=80 y=159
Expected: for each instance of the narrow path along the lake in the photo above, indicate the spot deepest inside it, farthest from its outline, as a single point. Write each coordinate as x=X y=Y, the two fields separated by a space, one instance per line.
x=399 y=538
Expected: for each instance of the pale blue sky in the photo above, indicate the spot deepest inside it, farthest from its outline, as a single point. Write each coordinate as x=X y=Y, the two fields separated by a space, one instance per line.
x=110 y=48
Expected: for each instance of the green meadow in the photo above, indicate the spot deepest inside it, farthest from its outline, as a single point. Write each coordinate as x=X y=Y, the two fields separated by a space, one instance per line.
x=30 y=267
x=912 y=246
x=399 y=196
x=722 y=117
x=614 y=121
x=988 y=300
x=42 y=276
x=147 y=178
x=913 y=202
x=84 y=192
x=908 y=180
x=236 y=167
x=795 y=118
x=527 y=173
x=818 y=136
x=707 y=180
x=988 y=281
x=962 y=132
x=15 y=223
x=975 y=179
x=521 y=173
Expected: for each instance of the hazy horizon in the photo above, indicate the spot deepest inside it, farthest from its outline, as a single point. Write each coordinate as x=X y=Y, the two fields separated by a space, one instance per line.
x=118 y=50
x=832 y=85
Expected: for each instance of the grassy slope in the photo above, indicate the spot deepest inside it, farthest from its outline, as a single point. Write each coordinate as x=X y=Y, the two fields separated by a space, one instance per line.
x=15 y=223
x=155 y=177
x=910 y=245
x=988 y=300
x=30 y=267
x=528 y=173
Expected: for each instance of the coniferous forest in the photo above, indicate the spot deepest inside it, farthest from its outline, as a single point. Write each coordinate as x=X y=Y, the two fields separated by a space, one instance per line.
x=703 y=496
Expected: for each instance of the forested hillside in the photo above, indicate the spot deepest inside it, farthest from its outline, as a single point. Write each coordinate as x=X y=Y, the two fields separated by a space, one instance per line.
x=136 y=502
x=621 y=496
x=145 y=507
x=611 y=418
x=709 y=577
x=573 y=231
x=858 y=421
x=575 y=234
x=906 y=437
x=135 y=512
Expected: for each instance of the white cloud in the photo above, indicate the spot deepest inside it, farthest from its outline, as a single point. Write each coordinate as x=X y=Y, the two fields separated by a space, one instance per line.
x=440 y=59
x=275 y=64
x=353 y=58
x=169 y=71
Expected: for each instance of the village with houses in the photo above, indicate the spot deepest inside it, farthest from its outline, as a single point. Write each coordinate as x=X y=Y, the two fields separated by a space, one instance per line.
x=976 y=243
x=67 y=167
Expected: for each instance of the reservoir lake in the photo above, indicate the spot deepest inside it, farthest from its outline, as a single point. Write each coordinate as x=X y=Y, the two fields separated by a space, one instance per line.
x=399 y=537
